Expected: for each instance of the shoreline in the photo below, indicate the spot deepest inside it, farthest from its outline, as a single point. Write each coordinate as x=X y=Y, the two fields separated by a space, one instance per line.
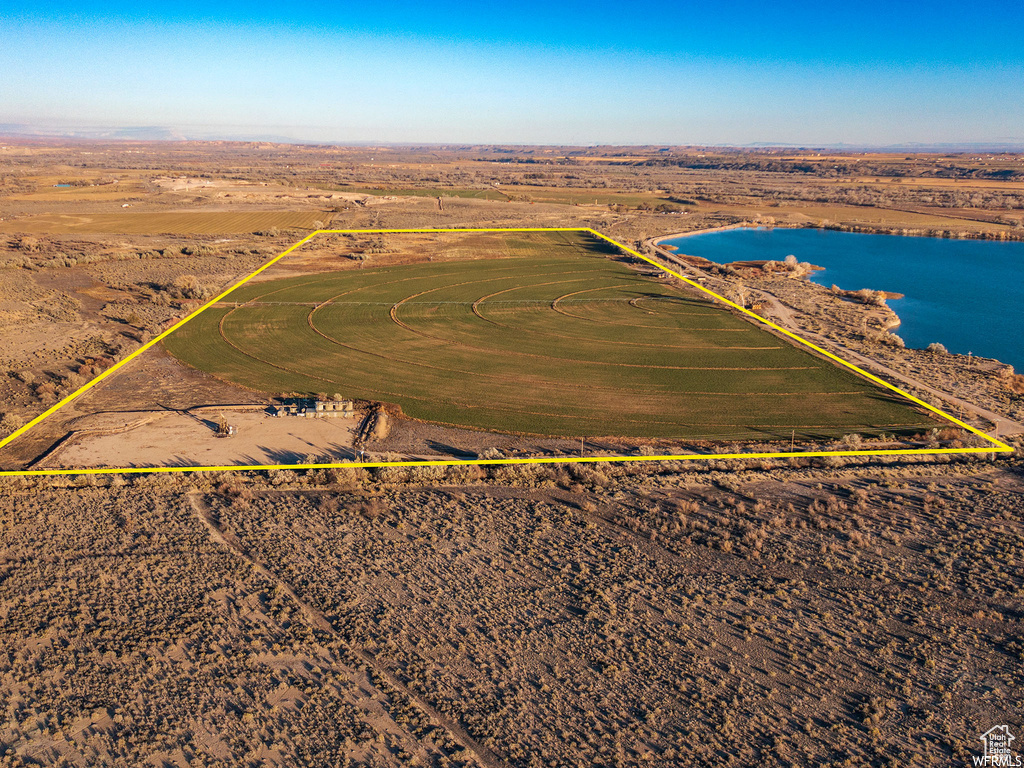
x=657 y=241
x=856 y=229
x=1002 y=423
x=677 y=254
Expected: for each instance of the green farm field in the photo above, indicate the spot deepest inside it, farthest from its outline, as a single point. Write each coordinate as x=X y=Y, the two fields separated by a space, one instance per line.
x=562 y=336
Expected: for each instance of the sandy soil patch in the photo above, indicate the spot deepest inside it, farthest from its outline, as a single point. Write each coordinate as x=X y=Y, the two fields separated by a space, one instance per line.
x=188 y=438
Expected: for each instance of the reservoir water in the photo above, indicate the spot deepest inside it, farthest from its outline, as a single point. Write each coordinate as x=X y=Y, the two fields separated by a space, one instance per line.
x=965 y=294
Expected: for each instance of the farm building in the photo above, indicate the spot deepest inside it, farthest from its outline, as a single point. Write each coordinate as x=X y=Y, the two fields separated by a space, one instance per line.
x=318 y=409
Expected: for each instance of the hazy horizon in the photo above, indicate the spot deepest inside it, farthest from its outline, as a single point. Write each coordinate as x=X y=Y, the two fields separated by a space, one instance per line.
x=248 y=134
x=538 y=74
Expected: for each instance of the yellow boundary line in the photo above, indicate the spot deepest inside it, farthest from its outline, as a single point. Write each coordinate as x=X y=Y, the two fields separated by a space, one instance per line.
x=999 y=446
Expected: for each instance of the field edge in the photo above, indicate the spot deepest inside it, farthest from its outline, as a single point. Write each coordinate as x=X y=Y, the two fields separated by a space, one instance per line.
x=997 y=445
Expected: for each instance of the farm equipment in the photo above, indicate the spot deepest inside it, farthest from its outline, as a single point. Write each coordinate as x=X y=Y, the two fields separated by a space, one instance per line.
x=224 y=429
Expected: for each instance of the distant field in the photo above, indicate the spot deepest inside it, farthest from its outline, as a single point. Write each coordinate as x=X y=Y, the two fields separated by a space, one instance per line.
x=184 y=222
x=481 y=194
x=561 y=337
x=99 y=192
x=575 y=196
x=562 y=195
x=860 y=215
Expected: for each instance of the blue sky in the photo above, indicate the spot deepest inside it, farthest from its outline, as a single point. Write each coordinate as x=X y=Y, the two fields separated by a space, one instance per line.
x=534 y=72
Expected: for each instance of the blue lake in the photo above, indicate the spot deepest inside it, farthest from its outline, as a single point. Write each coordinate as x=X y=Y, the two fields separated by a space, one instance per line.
x=965 y=294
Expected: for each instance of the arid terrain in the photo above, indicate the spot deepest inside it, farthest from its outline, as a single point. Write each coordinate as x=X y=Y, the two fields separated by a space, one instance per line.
x=779 y=612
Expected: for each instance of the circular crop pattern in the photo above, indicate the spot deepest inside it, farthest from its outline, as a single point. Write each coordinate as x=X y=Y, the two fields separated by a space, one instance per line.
x=560 y=341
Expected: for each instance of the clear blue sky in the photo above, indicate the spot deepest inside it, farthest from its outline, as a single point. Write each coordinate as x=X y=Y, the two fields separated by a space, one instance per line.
x=530 y=72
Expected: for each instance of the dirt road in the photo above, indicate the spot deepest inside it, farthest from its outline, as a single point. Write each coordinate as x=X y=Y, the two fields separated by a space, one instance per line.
x=316 y=618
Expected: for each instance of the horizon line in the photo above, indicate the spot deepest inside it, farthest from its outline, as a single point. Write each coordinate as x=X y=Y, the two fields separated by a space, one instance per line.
x=110 y=136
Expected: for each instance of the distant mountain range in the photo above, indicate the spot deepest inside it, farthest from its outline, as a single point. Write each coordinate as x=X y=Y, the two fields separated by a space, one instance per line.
x=1009 y=145
x=141 y=133
x=135 y=133
x=164 y=133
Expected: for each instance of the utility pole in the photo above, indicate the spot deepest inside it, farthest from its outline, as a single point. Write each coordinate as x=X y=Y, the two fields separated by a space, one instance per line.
x=792 y=441
x=581 y=447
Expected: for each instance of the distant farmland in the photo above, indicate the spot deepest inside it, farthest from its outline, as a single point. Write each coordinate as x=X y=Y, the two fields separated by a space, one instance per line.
x=185 y=222
x=477 y=194
x=561 y=337
x=558 y=195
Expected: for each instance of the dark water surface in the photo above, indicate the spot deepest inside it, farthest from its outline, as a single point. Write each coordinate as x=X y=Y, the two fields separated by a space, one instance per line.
x=965 y=294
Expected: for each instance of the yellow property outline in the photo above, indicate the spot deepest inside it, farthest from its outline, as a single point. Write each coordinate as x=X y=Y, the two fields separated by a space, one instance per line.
x=999 y=446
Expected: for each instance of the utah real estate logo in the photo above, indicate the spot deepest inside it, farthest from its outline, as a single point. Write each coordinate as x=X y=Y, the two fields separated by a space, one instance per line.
x=998 y=742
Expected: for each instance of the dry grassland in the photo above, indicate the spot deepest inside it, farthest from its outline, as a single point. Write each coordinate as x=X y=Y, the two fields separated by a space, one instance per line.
x=184 y=222
x=588 y=615
x=858 y=217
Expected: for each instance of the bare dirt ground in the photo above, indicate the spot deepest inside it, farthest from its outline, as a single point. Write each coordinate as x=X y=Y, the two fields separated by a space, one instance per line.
x=150 y=387
x=776 y=615
x=332 y=252
x=189 y=439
